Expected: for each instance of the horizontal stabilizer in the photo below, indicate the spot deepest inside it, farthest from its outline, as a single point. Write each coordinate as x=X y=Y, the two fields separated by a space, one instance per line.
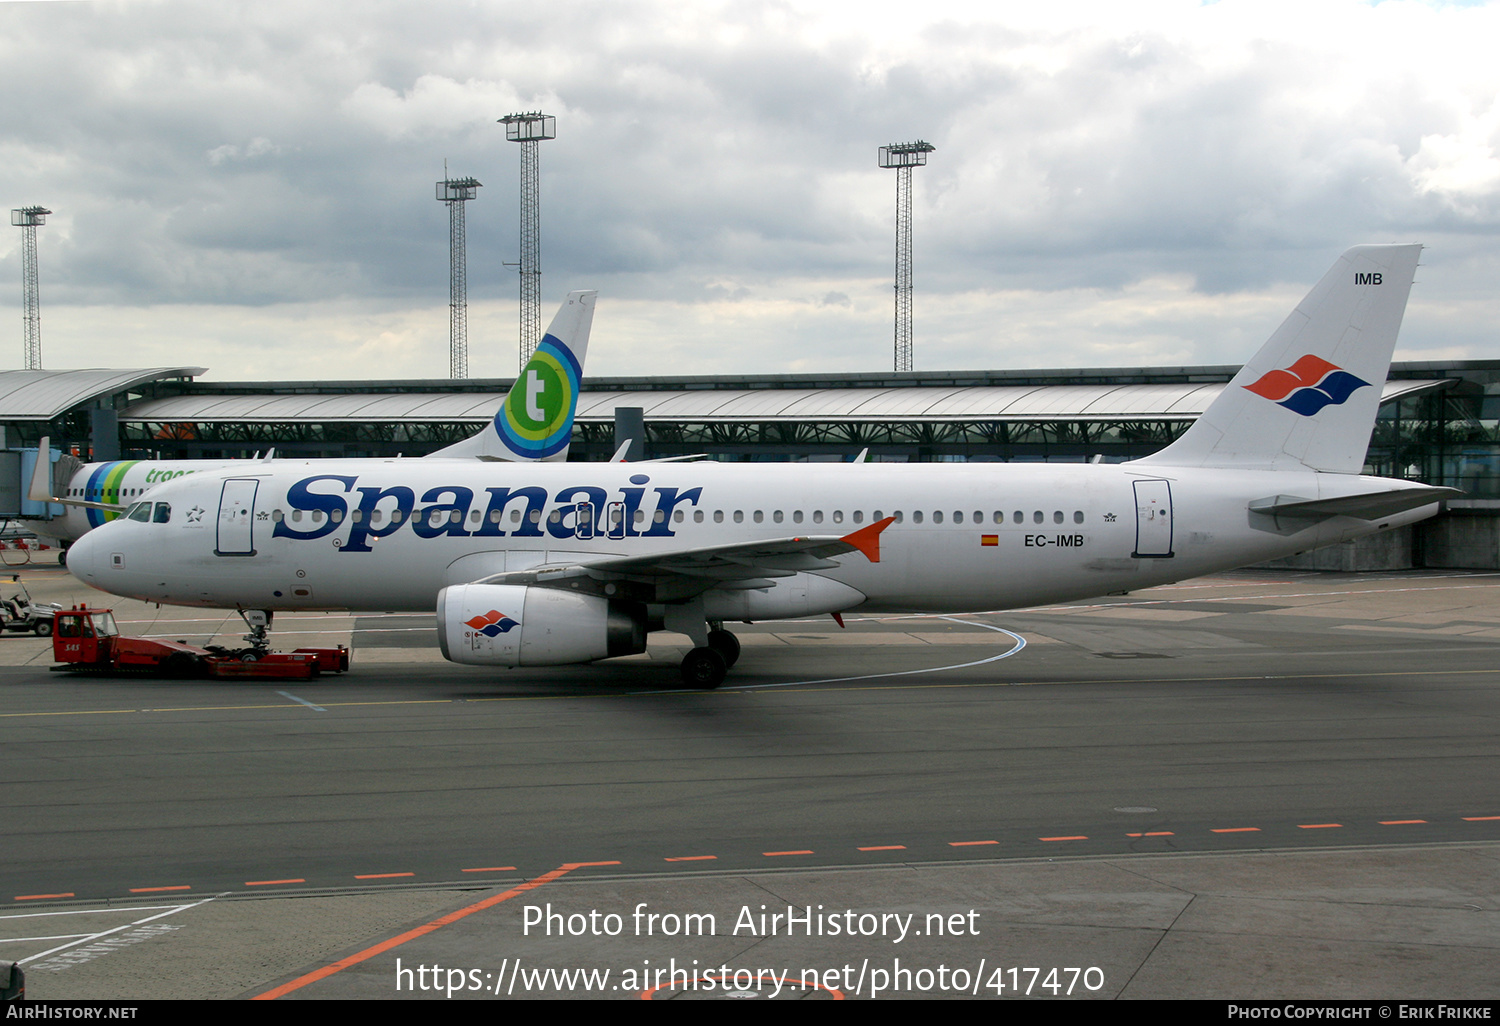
x=1367 y=506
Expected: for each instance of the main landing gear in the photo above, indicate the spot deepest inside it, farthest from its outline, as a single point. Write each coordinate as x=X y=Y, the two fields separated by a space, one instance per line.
x=707 y=666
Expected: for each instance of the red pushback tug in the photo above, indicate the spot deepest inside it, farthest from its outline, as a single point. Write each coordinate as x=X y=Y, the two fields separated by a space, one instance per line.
x=87 y=640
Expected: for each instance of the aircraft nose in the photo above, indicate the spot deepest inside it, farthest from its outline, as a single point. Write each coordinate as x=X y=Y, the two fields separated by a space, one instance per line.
x=81 y=557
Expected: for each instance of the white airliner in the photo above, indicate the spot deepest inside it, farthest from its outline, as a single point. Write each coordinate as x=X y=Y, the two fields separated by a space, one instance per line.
x=535 y=422
x=545 y=564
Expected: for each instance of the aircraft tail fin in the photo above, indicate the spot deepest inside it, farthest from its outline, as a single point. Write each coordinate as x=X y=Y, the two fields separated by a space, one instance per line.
x=535 y=422
x=1308 y=398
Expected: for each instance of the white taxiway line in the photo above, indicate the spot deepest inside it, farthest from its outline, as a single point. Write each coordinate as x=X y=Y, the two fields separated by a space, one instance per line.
x=88 y=938
x=1020 y=643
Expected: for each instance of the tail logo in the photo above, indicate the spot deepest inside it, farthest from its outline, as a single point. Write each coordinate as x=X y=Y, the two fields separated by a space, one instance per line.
x=536 y=419
x=1308 y=385
x=492 y=623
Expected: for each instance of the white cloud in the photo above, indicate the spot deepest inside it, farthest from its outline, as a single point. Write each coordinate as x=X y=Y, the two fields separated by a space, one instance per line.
x=1113 y=182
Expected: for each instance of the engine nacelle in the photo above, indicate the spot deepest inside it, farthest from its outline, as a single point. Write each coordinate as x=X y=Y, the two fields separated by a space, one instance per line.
x=518 y=625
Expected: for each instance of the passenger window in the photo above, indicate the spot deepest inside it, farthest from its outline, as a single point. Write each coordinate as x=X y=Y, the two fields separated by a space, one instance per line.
x=494 y=516
x=999 y=517
x=1057 y=517
x=337 y=516
x=760 y=517
x=659 y=517
x=718 y=516
x=697 y=516
x=1078 y=516
x=1019 y=517
x=937 y=516
x=916 y=516
x=1037 y=517
x=859 y=516
x=838 y=516
x=898 y=515
x=356 y=517
x=296 y=516
x=163 y=512
x=739 y=516
x=317 y=516
x=640 y=516
x=454 y=516
x=817 y=516
x=796 y=516
x=376 y=516
x=277 y=515
x=777 y=516
x=678 y=516
x=958 y=516
x=474 y=516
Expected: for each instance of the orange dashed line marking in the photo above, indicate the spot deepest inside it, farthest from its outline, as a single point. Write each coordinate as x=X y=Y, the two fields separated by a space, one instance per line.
x=885 y=847
x=153 y=890
x=773 y=854
x=41 y=897
x=1154 y=833
x=381 y=876
x=1080 y=837
x=270 y=883
x=1318 y=826
x=1235 y=830
x=965 y=844
x=1400 y=822
x=491 y=869
x=691 y=858
x=1478 y=819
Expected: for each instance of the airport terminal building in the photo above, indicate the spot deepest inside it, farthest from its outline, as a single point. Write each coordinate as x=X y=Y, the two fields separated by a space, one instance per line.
x=1439 y=423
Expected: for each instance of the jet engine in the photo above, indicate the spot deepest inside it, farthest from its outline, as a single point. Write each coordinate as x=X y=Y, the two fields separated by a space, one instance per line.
x=520 y=625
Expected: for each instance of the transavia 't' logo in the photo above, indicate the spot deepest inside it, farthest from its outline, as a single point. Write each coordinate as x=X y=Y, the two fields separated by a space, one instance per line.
x=492 y=623
x=536 y=420
x=1308 y=385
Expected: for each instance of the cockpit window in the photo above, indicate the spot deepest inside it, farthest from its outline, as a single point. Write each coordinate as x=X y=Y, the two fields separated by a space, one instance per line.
x=140 y=511
x=163 y=512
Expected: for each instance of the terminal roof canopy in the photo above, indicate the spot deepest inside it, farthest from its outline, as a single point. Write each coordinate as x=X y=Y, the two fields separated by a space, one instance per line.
x=48 y=394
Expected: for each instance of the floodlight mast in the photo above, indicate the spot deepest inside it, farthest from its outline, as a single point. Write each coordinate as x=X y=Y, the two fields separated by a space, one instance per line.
x=529 y=129
x=903 y=157
x=27 y=219
x=455 y=192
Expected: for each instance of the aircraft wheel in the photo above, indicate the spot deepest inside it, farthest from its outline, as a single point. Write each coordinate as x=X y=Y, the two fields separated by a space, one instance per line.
x=704 y=668
x=43 y=628
x=726 y=644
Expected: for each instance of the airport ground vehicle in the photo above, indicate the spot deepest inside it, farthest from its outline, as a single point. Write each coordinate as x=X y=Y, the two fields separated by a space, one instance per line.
x=19 y=613
x=88 y=640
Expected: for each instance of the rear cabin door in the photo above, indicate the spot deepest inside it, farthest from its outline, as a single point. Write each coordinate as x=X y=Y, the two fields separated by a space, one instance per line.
x=236 y=517
x=1153 y=520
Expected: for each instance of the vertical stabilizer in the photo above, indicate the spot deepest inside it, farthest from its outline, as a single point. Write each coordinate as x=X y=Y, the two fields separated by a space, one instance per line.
x=1308 y=398
x=536 y=420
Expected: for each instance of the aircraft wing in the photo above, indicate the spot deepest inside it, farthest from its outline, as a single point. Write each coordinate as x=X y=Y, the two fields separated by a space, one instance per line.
x=681 y=574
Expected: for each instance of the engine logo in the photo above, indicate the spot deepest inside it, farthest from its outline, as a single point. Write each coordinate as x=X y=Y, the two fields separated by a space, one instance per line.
x=492 y=623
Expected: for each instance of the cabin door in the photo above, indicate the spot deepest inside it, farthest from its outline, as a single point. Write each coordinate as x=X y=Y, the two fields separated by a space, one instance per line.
x=1153 y=520
x=236 y=517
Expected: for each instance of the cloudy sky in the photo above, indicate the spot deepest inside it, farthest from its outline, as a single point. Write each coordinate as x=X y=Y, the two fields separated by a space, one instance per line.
x=249 y=187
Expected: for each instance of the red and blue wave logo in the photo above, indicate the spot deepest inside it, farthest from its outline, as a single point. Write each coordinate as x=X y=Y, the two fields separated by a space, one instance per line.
x=1308 y=385
x=492 y=623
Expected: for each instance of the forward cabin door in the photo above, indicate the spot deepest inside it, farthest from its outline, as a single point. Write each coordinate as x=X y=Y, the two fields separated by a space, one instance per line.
x=1153 y=520
x=236 y=518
